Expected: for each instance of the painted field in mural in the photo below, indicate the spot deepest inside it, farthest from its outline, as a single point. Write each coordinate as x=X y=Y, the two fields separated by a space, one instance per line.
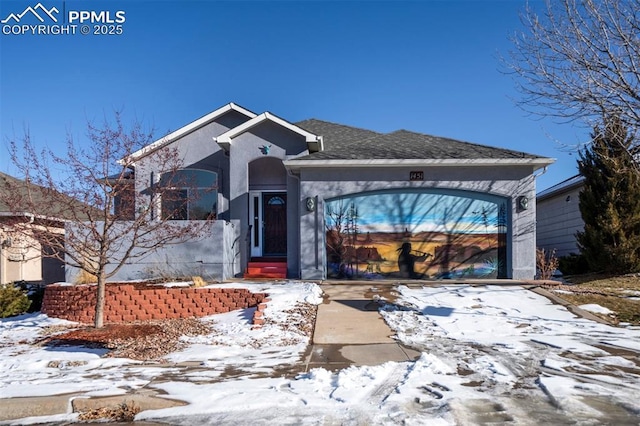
x=419 y=235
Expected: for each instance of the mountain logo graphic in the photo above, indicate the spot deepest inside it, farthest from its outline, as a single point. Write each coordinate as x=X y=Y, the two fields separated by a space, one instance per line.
x=38 y=11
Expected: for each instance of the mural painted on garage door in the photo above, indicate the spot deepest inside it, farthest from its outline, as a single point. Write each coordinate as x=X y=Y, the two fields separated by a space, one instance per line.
x=419 y=235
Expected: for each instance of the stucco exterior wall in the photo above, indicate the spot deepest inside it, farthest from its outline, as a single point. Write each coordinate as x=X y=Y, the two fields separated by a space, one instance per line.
x=22 y=259
x=507 y=182
x=215 y=256
x=248 y=147
x=196 y=150
x=558 y=220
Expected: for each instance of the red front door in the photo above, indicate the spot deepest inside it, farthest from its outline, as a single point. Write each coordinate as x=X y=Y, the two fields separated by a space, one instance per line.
x=274 y=208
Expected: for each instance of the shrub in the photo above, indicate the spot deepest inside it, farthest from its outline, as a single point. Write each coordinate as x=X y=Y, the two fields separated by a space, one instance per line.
x=546 y=263
x=13 y=301
x=35 y=293
x=84 y=277
x=574 y=264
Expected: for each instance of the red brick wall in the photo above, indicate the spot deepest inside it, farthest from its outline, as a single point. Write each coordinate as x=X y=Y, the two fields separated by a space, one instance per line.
x=139 y=302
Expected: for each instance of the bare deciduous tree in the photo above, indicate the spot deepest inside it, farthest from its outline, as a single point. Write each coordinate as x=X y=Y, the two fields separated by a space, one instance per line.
x=579 y=60
x=109 y=222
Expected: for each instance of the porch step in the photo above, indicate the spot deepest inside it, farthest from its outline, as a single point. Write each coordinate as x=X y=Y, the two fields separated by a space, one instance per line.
x=266 y=270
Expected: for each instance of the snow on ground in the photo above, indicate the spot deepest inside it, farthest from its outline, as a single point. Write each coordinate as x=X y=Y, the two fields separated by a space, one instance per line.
x=489 y=354
x=596 y=309
x=40 y=370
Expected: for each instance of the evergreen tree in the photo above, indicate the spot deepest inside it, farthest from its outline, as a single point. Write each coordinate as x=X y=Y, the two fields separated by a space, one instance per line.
x=610 y=201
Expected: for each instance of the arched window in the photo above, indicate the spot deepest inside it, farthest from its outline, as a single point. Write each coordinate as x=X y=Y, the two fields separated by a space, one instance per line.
x=276 y=201
x=189 y=194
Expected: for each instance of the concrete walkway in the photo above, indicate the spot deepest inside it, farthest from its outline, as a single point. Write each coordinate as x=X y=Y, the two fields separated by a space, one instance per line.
x=350 y=331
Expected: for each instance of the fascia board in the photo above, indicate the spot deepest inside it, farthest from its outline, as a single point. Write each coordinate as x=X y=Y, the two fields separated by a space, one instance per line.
x=194 y=125
x=537 y=163
x=35 y=216
x=561 y=188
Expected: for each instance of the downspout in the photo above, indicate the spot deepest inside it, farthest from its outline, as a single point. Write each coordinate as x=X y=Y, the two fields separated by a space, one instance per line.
x=544 y=170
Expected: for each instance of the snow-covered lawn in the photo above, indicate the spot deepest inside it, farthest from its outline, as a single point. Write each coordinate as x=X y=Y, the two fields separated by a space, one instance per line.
x=489 y=354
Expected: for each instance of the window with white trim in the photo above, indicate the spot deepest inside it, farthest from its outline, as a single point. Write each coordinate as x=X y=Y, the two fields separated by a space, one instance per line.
x=189 y=194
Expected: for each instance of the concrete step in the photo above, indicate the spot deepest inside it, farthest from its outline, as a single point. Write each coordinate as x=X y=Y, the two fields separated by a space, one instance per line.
x=266 y=270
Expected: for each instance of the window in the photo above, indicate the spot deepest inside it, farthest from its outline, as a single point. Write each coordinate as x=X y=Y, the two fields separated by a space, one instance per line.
x=276 y=201
x=189 y=194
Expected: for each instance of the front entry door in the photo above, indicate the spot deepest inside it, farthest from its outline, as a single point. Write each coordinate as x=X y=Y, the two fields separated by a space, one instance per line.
x=274 y=208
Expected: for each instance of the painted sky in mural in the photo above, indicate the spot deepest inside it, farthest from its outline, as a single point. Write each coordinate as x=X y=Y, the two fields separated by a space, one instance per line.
x=420 y=212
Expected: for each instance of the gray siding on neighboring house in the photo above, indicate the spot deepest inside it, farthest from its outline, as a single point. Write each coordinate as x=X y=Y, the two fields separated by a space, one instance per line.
x=558 y=218
x=508 y=182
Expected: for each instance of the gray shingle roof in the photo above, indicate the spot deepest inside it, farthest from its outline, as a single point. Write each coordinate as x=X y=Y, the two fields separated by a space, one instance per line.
x=336 y=136
x=350 y=143
x=18 y=192
x=567 y=184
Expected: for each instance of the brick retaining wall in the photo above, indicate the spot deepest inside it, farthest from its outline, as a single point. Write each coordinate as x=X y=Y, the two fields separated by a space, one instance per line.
x=140 y=302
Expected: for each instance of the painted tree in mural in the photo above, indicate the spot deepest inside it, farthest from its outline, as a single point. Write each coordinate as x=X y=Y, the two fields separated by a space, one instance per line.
x=610 y=201
x=90 y=186
x=341 y=229
x=466 y=241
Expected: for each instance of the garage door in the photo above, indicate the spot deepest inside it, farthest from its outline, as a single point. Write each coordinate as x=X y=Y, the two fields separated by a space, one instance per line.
x=416 y=235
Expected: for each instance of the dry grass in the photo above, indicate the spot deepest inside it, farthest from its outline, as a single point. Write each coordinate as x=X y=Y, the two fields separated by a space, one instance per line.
x=616 y=285
x=614 y=293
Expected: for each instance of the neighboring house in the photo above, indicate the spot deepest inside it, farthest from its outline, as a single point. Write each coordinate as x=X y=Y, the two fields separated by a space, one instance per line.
x=316 y=200
x=21 y=256
x=559 y=218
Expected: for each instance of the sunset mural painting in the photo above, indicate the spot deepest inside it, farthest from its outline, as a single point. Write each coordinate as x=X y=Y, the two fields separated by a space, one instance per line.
x=416 y=235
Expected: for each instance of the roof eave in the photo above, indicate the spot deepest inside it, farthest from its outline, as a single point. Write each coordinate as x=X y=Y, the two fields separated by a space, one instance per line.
x=556 y=190
x=536 y=163
x=34 y=216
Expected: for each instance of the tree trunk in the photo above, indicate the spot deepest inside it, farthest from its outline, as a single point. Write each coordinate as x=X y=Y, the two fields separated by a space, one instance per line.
x=100 y=294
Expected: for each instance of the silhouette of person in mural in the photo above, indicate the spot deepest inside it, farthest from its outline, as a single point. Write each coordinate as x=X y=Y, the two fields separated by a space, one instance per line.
x=407 y=261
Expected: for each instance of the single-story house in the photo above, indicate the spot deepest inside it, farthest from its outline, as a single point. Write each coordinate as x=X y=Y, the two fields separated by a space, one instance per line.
x=559 y=218
x=317 y=200
x=22 y=257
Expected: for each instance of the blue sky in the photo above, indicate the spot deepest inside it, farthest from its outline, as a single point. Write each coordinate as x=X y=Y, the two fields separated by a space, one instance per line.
x=428 y=66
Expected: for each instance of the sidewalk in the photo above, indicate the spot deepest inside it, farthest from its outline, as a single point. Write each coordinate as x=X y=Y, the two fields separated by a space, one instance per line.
x=350 y=331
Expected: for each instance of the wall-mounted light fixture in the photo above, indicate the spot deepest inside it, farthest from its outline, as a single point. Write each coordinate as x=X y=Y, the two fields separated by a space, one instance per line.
x=311 y=204
x=6 y=243
x=523 y=203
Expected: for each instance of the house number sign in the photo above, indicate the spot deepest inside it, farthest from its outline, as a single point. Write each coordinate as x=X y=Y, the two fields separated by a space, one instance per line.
x=416 y=175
